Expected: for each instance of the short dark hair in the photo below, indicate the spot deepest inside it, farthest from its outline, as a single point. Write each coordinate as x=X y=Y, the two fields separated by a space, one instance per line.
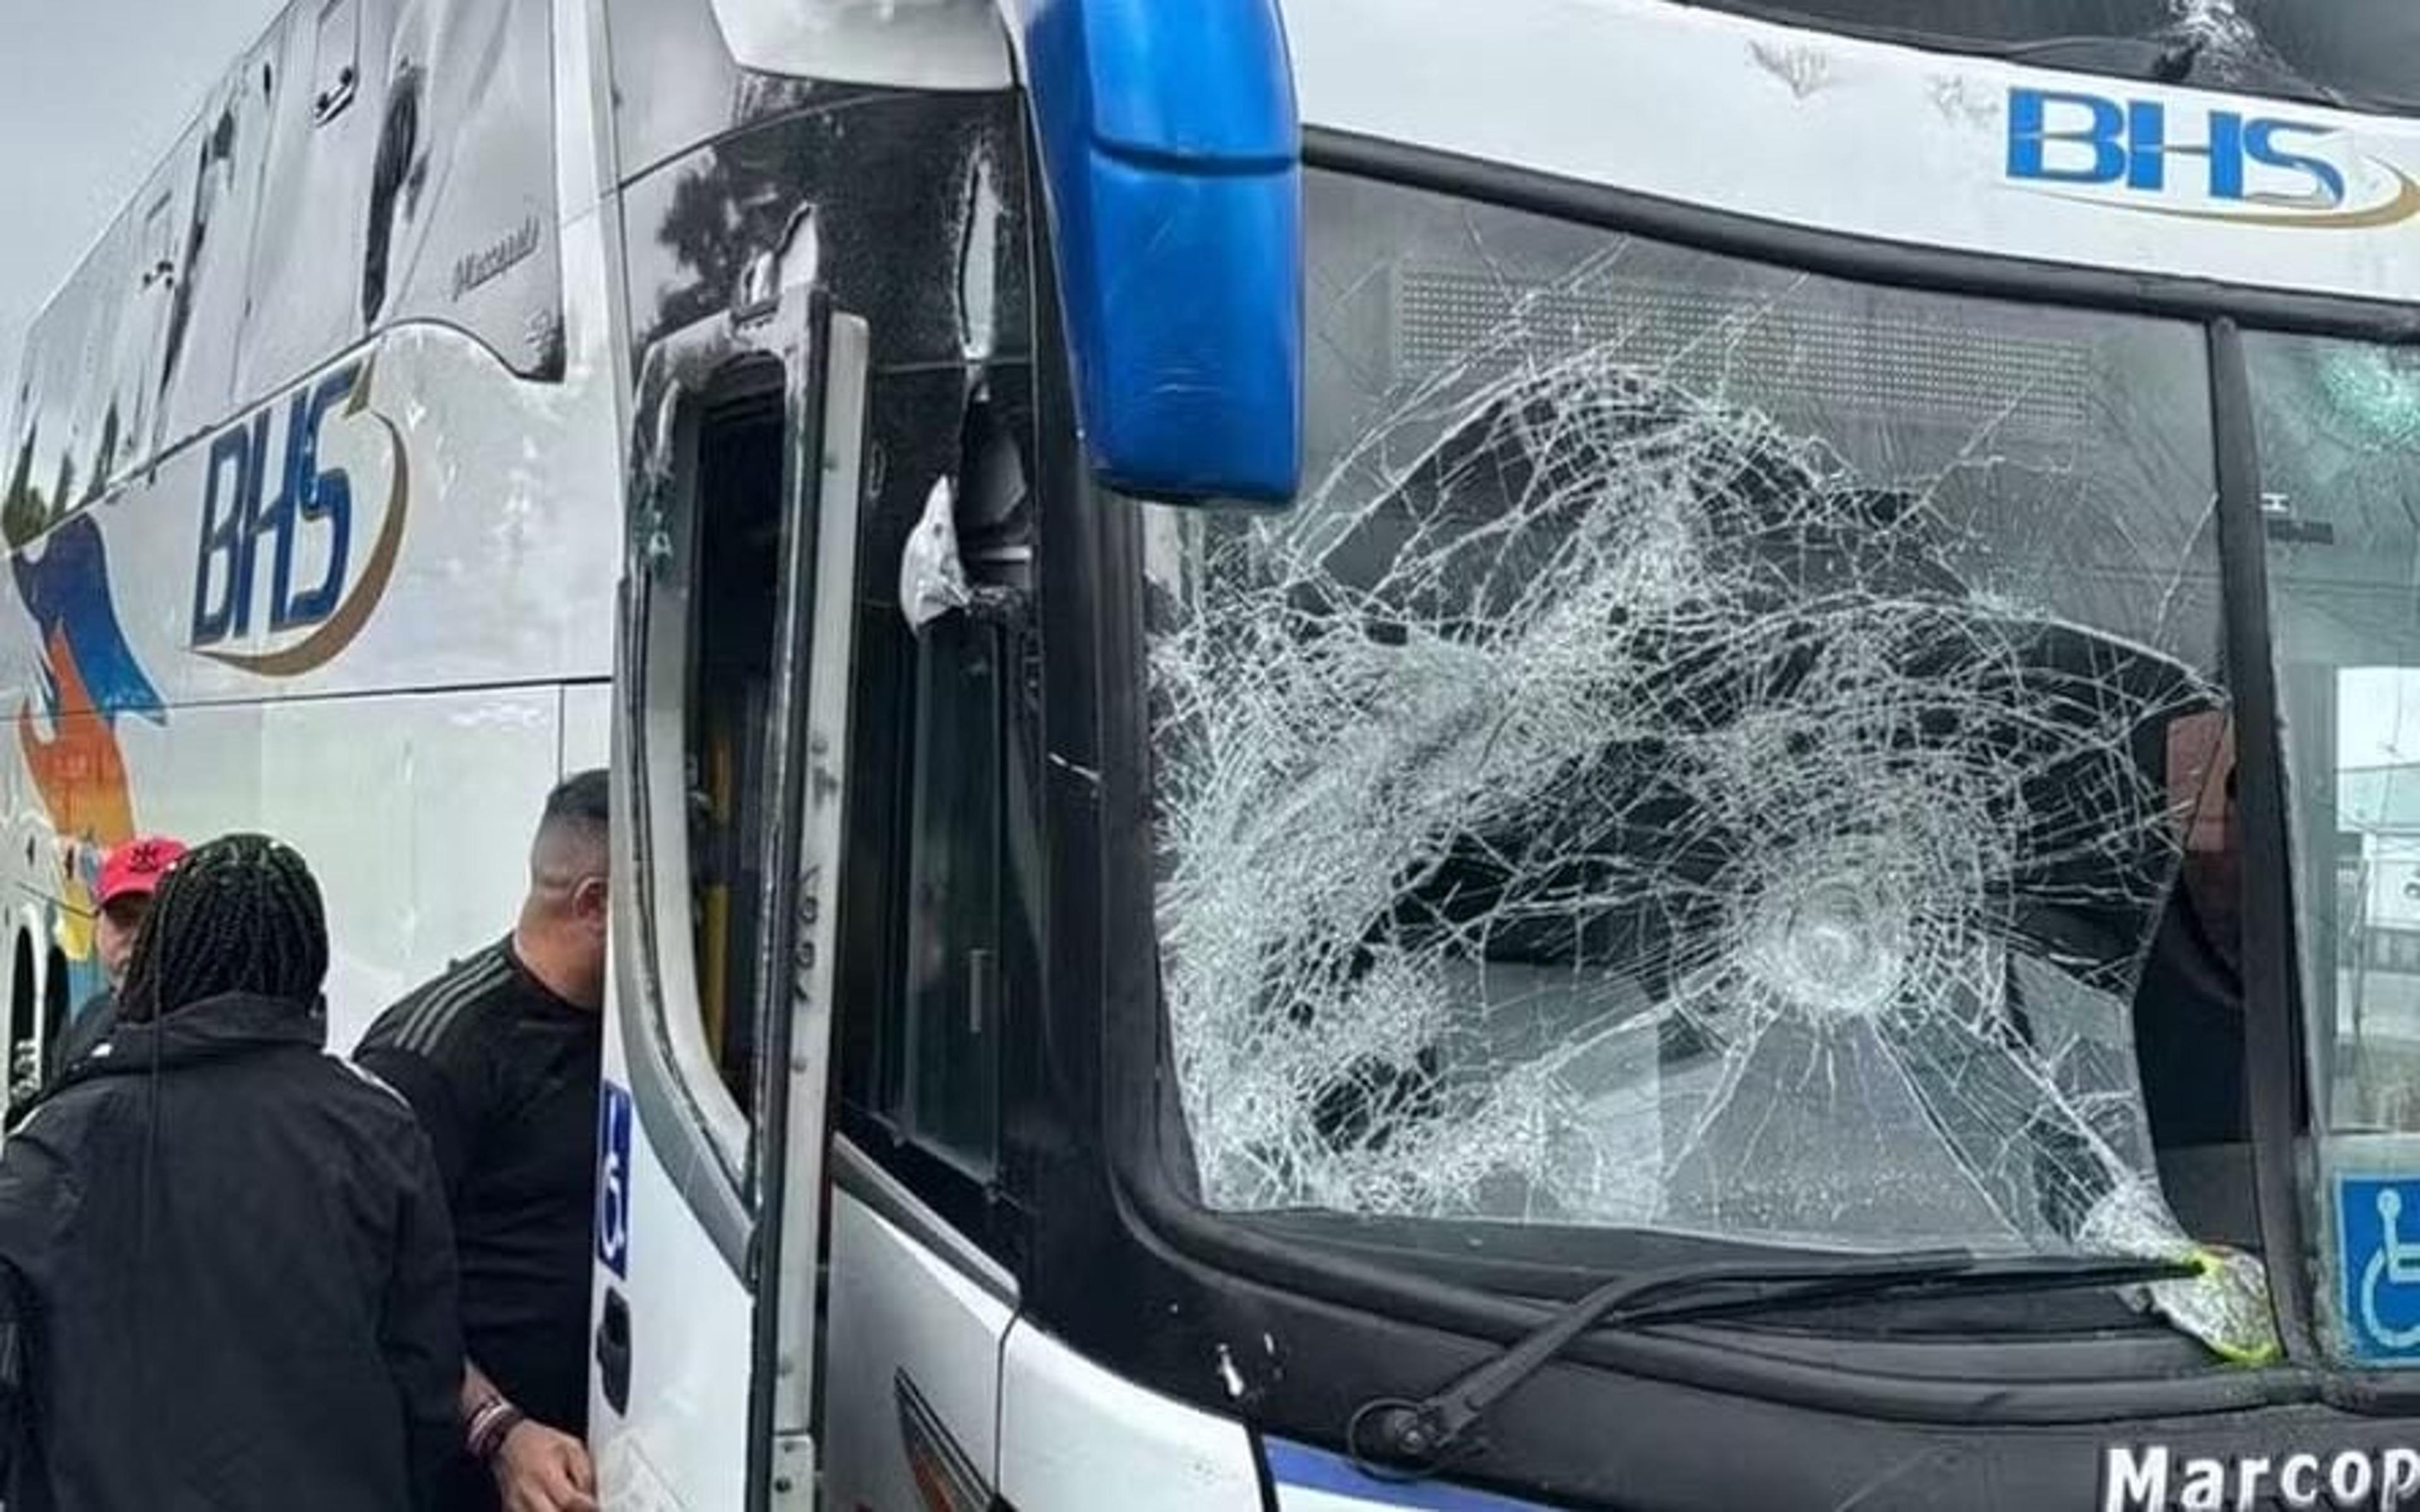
x=584 y=798
x=242 y=914
x=575 y=828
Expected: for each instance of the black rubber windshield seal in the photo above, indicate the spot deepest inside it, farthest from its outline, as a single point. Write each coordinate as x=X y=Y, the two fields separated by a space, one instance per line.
x=2271 y=1043
x=1145 y=1137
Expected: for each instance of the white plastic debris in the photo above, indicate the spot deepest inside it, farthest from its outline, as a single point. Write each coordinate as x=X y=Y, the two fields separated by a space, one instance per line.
x=932 y=578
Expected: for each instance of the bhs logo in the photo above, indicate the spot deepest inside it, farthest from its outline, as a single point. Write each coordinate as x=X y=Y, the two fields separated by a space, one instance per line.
x=269 y=510
x=2252 y=170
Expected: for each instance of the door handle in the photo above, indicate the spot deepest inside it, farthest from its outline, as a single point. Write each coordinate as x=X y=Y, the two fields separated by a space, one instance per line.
x=613 y=1352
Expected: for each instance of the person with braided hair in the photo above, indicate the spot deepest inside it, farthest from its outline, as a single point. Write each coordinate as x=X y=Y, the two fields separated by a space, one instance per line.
x=226 y=1254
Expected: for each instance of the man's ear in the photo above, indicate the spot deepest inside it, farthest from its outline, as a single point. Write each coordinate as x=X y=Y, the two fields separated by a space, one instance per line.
x=591 y=902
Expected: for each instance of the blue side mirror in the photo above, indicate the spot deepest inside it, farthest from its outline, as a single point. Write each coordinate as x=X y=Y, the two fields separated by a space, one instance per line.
x=1173 y=160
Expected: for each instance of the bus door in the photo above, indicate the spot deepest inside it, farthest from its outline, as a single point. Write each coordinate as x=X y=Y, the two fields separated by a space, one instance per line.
x=730 y=739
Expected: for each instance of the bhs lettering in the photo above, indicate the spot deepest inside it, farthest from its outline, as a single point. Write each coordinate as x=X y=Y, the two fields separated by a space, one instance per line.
x=240 y=514
x=2059 y=137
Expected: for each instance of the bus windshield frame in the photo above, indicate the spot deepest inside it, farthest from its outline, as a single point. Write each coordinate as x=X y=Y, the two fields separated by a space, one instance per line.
x=1398 y=1216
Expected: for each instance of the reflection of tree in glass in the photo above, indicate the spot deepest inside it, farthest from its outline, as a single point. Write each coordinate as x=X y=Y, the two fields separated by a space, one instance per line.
x=212 y=177
x=707 y=229
x=24 y=511
x=104 y=458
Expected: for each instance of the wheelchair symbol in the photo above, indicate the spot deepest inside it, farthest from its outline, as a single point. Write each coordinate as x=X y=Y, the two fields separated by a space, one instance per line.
x=613 y=1182
x=2393 y=1263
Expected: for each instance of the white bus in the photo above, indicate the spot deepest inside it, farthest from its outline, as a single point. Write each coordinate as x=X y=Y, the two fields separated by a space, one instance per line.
x=312 y=500
x=1686 y=926
x=1693 y=860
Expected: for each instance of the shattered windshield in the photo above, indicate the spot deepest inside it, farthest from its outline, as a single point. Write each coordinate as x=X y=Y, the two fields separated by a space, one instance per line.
x=2364 y=52
x=1713 y=750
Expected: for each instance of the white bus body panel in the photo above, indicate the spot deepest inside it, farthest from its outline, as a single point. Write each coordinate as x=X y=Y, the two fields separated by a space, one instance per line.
x=587 y=726
x=414 y=811
x=684 y=1443
x=1716 y=111
x=502 y=500
x=1074 y=1437
x=903 y=1319
x=402 y=741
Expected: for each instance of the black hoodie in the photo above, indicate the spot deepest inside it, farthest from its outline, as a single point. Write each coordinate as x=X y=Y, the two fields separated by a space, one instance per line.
x=233 y=1256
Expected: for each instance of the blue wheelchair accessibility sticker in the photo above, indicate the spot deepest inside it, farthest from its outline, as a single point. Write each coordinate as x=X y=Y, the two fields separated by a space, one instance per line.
x=2378 y=1221
x=613 y=1181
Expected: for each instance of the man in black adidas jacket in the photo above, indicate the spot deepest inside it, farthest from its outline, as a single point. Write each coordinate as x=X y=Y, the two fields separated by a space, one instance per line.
x=226 y=1251
x=500 y=1057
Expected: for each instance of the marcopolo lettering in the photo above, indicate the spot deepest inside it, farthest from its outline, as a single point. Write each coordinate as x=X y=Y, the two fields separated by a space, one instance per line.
x=473 y=269
x=2154 y=1478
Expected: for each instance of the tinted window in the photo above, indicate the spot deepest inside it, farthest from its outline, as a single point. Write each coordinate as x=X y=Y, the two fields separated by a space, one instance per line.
x=940 y=950
x=425 y=193
x=62 y=411
x=221 y=164
x=368 y=162
x=951 y=945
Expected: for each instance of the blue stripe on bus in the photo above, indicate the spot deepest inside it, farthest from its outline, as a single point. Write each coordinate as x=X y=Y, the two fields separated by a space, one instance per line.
x=1317 y=1469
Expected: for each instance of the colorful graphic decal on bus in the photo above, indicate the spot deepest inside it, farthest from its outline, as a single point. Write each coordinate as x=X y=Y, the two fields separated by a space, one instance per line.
x=90 y=678
x=2200 y=163
x=277 y=592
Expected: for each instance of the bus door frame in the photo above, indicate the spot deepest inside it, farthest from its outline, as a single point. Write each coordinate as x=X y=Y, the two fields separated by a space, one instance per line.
x=727 y=1169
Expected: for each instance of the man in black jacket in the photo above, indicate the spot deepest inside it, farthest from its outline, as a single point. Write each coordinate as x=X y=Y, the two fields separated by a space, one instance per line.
x=500 y=1057
x=232 y=1248
x=121 y=899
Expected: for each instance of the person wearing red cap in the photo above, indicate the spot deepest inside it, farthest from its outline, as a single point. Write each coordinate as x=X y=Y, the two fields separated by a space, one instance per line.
x=130 y=876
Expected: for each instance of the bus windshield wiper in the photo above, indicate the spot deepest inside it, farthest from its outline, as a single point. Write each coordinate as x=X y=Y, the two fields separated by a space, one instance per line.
x=1395 y=1436
x=2176 y=59
x=2154 y=59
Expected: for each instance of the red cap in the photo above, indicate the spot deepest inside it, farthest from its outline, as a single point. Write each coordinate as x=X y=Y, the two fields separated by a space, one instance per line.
x=134 y=868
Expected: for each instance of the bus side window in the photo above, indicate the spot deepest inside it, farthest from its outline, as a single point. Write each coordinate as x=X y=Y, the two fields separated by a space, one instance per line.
x=952 y=986
x=938 y=947
x=923 y=981
x=735 y=606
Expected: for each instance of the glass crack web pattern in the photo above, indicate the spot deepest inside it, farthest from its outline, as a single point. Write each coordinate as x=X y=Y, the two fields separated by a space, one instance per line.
x=1630 y=815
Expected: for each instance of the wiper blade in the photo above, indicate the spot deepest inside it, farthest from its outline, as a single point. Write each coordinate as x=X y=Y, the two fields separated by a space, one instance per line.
x=2175 y=59
x=2008 y=1275
x=1392 y=1436
x=2155 y=59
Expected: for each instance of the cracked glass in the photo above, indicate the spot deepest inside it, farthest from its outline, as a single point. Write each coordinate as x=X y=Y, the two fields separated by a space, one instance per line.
x=1713 y=752
x=2337 y=425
